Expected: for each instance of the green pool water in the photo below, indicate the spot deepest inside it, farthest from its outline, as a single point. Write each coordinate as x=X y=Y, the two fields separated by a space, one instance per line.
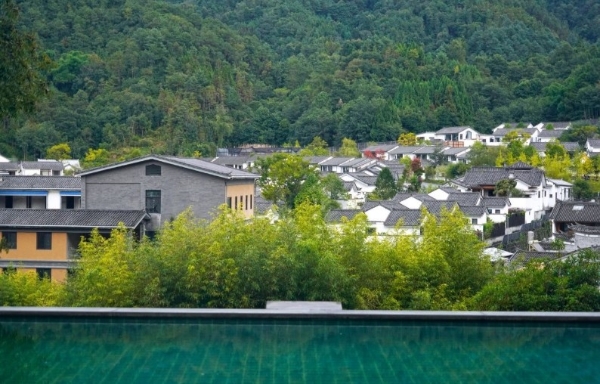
x=295 y=351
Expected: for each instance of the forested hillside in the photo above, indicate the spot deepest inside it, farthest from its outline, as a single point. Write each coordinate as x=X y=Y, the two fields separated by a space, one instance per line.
x=178 y=77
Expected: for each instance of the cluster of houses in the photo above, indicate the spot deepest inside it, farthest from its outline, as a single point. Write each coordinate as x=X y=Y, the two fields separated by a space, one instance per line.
x=44 y=214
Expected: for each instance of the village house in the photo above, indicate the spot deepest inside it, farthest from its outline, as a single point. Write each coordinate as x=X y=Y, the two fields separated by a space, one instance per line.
x=165 y=186
x=40 y=192
x=46 y=240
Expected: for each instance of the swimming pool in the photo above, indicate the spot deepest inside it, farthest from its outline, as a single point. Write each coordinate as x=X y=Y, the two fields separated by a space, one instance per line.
x=285 y=349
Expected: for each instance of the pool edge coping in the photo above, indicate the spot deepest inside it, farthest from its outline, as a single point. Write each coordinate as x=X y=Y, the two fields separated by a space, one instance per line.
x=204 y=313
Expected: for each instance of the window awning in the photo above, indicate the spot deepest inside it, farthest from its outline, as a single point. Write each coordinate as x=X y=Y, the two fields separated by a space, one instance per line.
x=24 y=192
x=70 y=193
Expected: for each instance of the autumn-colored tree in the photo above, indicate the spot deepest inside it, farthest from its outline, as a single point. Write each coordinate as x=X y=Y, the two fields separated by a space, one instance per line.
x=60 y=151
x=407 y=139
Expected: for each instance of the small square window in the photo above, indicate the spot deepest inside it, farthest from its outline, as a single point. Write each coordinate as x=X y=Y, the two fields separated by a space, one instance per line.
x=43 y=273
x=10 y=239
x=497 y=211
x=153 y=170
x=474 y=221
x=44 y=240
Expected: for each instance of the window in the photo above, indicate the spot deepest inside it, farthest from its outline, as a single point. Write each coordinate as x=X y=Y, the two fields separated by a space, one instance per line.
x=44 y=240
x=474 y=221
x=55 y=173
x=43 y=273
x=250 y=201
x=28 y=202
x=229 y=202
x=10 y=239
x=497 y=211
x=236 y=204
x=151 y=235
x=153 y=170
x=241 y=202
x=153 y=201
x=246 y=205
x=8 y=202
x=70 y=202
x=8 y=270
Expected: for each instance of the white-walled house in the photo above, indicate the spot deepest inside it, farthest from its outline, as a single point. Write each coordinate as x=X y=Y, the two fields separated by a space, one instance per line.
x=592 y=147
x=40 y=168
x=457 y=136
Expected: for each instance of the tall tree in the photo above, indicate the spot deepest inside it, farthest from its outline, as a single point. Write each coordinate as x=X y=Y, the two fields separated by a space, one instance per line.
x=21 y=63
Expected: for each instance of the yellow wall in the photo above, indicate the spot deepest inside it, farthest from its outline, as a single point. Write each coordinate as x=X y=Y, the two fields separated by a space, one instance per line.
x=241 y=191
x=27 y=250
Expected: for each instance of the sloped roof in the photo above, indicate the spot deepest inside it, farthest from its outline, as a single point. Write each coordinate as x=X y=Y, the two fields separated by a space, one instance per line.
x=316 y=159
x=576 y=212
x=401 y=196
x=495 y=202
x=404 y=149
x=337 y=160
x=237 y=160
x=455 y=151
x=450 y=130
x=193 y=164
x=427 y=150
x=388 y=204
x=409 y=217
x=9 y=166
x=435 y=206
x=70 y=218
x=472 y=211
x=380 y=147
x=550 y=133
x=504 y=131
x=369 y=180
x=558 y=124
x=40 y=182
x=45 y=165
x=594 y=143
x=464 y=198
x=335 y=215
x=567 y=145
x=478 y=176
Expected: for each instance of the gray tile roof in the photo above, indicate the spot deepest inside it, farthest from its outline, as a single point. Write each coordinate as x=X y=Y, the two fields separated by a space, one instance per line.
x=576 y=212
x=388 y=204
x=71 y=218
x=464 y=198
x=40 y=182
x=232 y=160
x=479 y=176
x=558 y=124
x=369 y=180
x=45 y=165
x=450 y=130
x=402 y=150
x=9 y=166
x=401 y=196
x=456 y=150
x=193 y=164
x=380 y=147
x=335 y=215
x=504 y=131
x=336 y=160
x=314 y=160
x=472 y=211
x=594 y=143
x=550 y=133
x=348 y=185
x=495 y=202
x=409 y=217
x=435 y=207
x=426 y=150
x=569 y=146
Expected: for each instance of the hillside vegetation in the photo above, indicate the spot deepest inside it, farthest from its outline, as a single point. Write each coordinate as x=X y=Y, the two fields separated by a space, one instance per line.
x=134 y=76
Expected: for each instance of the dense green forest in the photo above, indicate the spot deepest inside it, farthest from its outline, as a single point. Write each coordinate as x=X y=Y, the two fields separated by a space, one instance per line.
x=176 y=77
